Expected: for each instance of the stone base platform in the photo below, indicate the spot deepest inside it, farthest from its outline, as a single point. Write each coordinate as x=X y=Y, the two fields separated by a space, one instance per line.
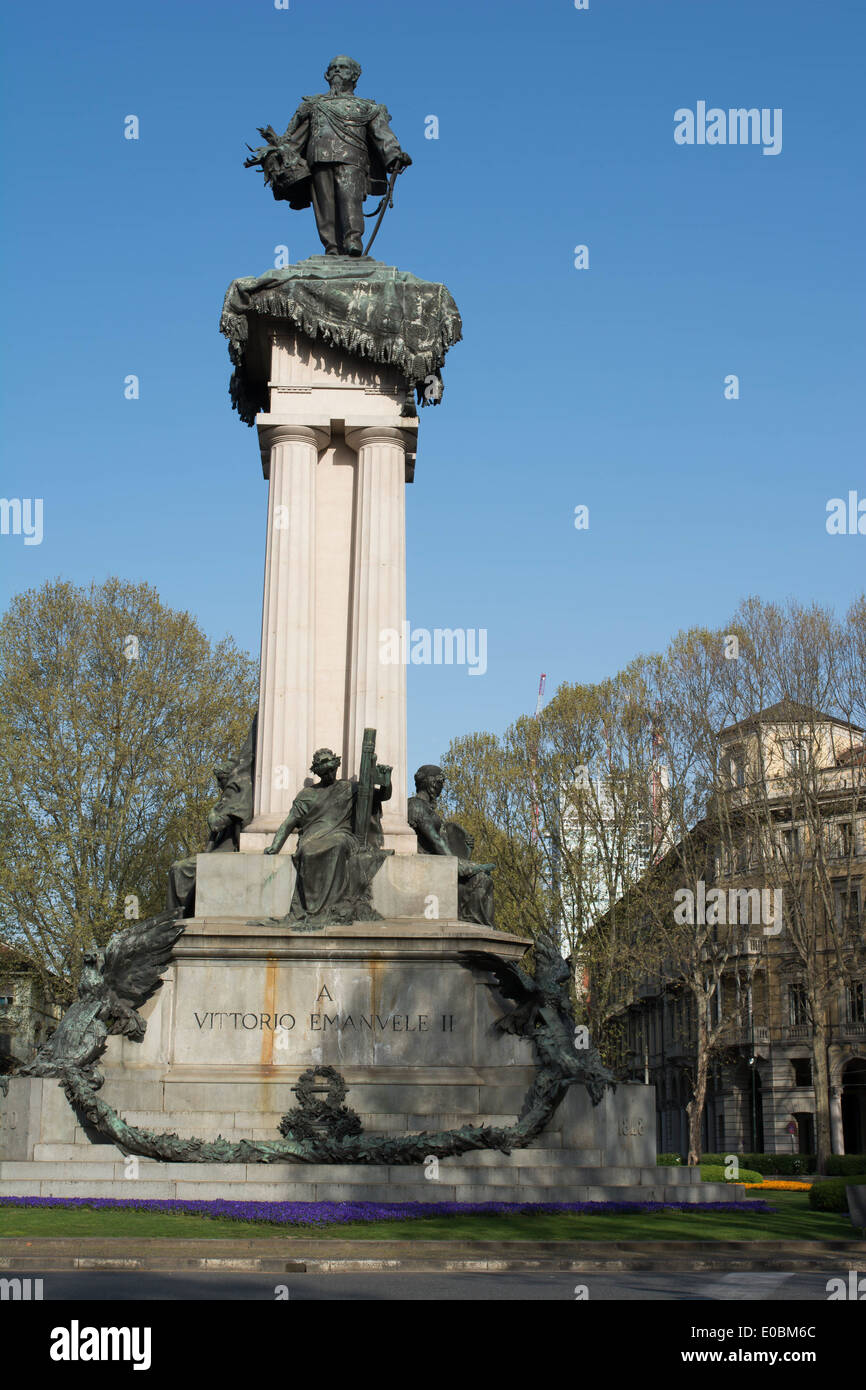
x=562 y=1166
x=245 y=1009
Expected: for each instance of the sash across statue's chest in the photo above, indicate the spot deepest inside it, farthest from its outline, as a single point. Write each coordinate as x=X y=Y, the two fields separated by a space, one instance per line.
x=340 y=120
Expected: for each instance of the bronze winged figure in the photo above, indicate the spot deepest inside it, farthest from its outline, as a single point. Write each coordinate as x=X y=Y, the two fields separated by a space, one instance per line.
x=114 y=983
x=543 y=1013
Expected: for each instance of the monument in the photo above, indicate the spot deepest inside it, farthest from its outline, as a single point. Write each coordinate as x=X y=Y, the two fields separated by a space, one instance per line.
x=326 y=1005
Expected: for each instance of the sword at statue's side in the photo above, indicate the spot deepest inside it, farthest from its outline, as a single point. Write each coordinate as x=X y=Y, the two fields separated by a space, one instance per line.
x=386 y=203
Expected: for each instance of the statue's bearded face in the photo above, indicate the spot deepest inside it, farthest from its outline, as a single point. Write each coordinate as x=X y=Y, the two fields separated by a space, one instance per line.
x=342 y=75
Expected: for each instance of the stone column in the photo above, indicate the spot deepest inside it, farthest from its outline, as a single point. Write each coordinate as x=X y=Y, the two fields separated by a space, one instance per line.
x=377 y=689
x=290 y=454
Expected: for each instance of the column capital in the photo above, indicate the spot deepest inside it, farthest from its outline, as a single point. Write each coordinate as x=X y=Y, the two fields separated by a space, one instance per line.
x=285 y=432
x=359 y=435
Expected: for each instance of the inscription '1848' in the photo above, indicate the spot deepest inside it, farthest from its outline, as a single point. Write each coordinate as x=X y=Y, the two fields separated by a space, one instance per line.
x=628 y=1127
x=220 y=1020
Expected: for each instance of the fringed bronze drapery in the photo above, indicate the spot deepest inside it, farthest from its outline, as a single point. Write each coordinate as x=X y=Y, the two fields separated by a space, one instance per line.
x=369 y=309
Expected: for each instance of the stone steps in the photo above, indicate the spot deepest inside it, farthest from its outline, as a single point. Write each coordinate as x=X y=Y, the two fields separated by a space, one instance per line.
x=341 y=1183
x=330 y=1191
x=363 y=1174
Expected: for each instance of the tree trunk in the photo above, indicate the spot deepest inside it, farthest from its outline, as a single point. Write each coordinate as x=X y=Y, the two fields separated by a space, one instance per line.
x=821 y=1081
x=695 y=1107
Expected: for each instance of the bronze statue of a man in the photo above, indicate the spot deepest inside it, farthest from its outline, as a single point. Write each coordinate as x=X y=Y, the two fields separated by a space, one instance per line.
x=226 y=819
x=337 y=149
x=474 y=884
x=333 y=871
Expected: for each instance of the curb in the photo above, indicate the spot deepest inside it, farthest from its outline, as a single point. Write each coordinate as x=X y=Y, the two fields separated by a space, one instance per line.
x=299 y=1256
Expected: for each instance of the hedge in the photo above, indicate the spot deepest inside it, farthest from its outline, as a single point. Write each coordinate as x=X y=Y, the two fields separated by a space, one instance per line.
x=716 y=1172
x=841 y=1165
x=829 y=1194
x=783 y=1165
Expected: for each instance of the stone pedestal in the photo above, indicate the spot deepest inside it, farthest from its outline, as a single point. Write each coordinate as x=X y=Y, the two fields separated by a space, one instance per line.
x=337 y=451
x=255 y=886
x=245 y=1010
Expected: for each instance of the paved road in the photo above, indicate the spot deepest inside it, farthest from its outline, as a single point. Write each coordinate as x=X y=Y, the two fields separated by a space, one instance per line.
x=553 y=1287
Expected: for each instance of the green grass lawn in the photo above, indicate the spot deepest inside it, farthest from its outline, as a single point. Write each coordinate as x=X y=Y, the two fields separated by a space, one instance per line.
x=792 y=1220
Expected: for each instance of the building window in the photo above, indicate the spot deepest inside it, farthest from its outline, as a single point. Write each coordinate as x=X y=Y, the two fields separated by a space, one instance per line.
x=6 y=999
x=791 y=842
x=848 y=909
x=798 y=1006
x=855 y=1002
x=737 y=767
x=796 y=755
x=802 y=1067
x=843 y=839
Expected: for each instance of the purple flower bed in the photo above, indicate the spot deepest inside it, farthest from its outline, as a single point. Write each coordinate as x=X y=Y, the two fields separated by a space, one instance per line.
x=340 y=1213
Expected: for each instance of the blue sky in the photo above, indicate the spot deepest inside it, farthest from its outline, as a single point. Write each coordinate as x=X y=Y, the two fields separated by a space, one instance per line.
x=601 y=387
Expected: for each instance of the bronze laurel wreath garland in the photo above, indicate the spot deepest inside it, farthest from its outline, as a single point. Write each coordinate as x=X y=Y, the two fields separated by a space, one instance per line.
x=318 y=1131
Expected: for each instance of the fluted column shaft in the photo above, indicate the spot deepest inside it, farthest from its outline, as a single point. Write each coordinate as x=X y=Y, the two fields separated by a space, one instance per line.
x=287 y=676
x=377 y=688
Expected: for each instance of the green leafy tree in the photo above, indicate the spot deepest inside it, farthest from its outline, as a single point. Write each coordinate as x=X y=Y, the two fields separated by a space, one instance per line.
x=488 y=790
x=114 y=710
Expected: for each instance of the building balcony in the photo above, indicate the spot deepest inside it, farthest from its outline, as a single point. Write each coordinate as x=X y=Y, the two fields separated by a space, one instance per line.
x=789 y=1032
x=746 y=1037
x=754 y=946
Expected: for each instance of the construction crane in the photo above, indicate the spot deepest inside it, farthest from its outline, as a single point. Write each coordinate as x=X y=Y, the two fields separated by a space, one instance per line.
x=660 y=781
x=541 y=685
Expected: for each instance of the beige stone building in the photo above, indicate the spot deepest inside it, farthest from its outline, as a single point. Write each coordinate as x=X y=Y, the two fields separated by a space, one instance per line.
x=27 y=1018
x=794 y=823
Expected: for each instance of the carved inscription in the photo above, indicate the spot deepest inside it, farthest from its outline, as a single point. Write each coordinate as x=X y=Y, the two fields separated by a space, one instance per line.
x=323 y=1021
x=630 y=1127
x=226 y=1020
